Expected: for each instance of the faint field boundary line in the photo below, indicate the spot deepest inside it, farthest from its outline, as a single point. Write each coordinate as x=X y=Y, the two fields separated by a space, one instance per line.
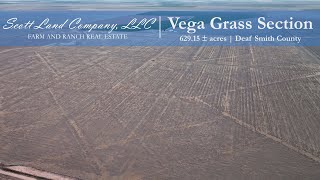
x=12 y=49
x=118 y=83
x=219 y=58
x=265 y=85
x=57 y=80
x=137 y=70
x=276 y=139
x=143 y=119
x=171 y=96
x=77 y=133
x=161 y=132
x=45 y=61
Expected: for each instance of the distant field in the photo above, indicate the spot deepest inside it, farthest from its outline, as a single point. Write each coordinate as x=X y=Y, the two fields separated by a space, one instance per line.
x=162 y=112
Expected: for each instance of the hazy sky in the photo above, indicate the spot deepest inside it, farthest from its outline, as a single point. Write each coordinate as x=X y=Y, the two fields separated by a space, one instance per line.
x=153 y=0
x=103 y=4
x=156 y=1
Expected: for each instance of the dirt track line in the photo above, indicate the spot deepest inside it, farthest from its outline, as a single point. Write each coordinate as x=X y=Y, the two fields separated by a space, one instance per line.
x=287 y=67
x=118 y=83
x=179 y=128
x=276 y=139
x=55 y=81
x=220 y=58
x=45 y=61
x=145 y=64
x=309 y=51
x=183 y=73
x=198 y=52
x=143 y=119
x=203 y=68
x=77 y=133
x=265 y=85
x=12 y=49
x=251 y=52
x=277 y=82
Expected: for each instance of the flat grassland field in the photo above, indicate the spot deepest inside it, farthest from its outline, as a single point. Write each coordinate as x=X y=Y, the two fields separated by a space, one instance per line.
x=162 y=112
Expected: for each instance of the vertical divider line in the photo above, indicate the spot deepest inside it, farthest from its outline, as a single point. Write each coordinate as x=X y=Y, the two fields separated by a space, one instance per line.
x=160 y=35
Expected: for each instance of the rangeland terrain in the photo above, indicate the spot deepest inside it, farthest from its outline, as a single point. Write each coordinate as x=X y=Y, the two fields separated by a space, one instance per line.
x=162 y=112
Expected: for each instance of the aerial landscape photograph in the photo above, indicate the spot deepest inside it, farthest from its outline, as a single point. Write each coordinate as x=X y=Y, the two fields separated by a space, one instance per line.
x=109 y=101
